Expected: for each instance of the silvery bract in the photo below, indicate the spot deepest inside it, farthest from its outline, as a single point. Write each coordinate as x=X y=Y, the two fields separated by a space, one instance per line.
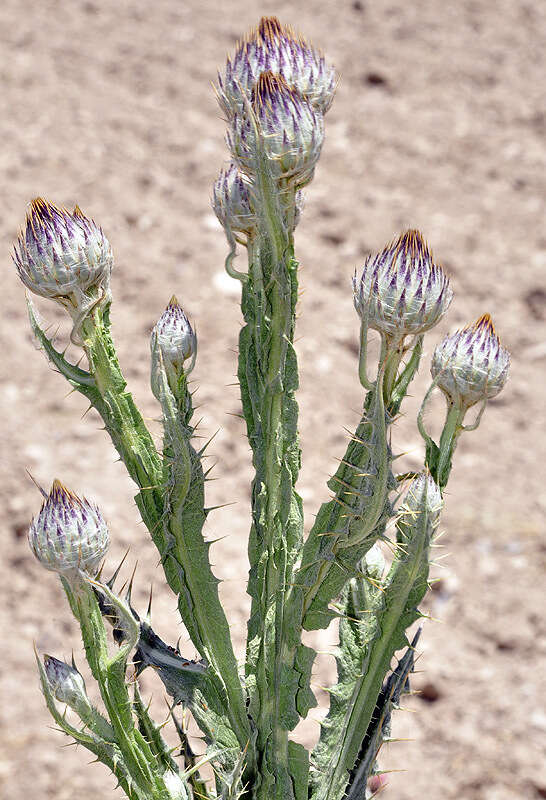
x=65 y=682
x=471 y=365
x=273 y=47
x=231 y=201
x=285 y=124
x=69 y=533
x=64 y=256
x=401 y=291
x=174 y=338
x=423 y=496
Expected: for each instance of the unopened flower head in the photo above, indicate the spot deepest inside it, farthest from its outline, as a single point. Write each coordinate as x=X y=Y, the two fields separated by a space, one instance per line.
x=65 y=682
x=69 y=534
x=231 y=201
x=401 y=290
x=276 y=48
x=64 y=256
x=471 y=364
x=423 y=495
x=375 y=562
x=175 y=338
x=288 y=127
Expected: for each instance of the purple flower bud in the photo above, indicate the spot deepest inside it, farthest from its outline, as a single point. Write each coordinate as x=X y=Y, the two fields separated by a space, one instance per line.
x=471 y=365
x=175 y=338
x=276 y=48
x=69 y=534
x=232 y=203
x=66 y=683
x=292 y=132
x=64 y=256
x=401 y=291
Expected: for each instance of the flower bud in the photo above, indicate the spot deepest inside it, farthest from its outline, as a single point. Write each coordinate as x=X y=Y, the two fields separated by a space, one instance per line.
x=65 y=257
x=419 y=514
x=175 y=339
x=401 y=290
x=231 y=202
x=66 y=683
x=276 y=48
x=374 y=561
x=291 y=130
x=423 y=495
x=471 y=365
x=69 y=534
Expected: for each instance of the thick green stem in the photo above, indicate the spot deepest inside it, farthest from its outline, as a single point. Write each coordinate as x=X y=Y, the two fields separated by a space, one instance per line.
x=187 y=554
x=349 y=524
x=448 y=442
x=109 y=672
x=123 y=421
x=268 y=377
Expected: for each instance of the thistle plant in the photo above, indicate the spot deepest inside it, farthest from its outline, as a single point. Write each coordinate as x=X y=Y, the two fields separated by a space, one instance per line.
x=365 y=561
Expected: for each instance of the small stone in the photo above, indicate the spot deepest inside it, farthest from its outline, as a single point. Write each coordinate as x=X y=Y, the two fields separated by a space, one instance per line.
x=375 y=79
x=429 y=693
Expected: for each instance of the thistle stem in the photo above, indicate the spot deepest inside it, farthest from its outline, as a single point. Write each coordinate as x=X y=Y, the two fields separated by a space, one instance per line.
x=137 y=449
x=448 y=442
x=268 y=377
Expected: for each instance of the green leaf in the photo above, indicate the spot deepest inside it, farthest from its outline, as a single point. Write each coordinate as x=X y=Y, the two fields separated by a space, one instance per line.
x=379 y=729
x=186 y=560
x=368 y=647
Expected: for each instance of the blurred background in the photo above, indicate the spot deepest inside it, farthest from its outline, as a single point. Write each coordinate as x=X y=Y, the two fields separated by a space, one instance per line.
x=439 y=123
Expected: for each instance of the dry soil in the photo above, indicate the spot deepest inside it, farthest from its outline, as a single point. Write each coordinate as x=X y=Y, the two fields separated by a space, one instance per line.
x=439 y=123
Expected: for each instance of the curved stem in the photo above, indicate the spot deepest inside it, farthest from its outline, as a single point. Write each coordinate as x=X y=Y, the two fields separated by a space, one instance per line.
x=363 y=356
x=228 y=264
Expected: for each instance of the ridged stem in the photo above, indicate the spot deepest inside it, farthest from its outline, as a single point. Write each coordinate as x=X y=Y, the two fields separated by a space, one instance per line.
x=268 y=378
x=448 y=442
x=109 y=672
x=187 y=553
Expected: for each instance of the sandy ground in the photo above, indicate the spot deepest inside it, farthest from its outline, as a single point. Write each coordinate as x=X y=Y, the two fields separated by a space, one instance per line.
x=439 y=123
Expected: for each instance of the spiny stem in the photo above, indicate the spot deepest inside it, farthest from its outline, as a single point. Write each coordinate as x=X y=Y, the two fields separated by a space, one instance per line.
x=268 y=377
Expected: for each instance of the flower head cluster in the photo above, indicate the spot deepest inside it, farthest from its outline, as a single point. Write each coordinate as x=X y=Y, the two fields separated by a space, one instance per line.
x=273 y=47
x=471 y=364
x=231 y=201
x=290 y=129
x=69 y=534
x=64 y=256
x=401 y=291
